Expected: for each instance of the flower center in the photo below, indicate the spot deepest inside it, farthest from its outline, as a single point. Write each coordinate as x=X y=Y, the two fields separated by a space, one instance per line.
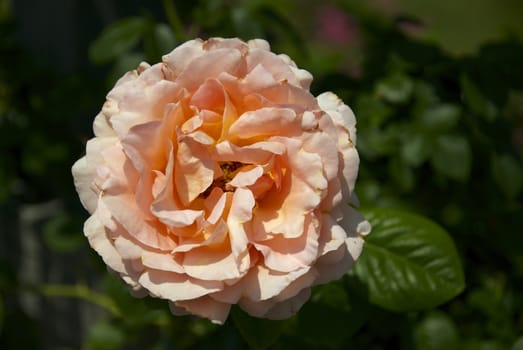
x=228 y=172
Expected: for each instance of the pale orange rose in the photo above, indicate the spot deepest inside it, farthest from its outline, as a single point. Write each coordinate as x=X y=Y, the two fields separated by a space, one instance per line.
x=216 y=178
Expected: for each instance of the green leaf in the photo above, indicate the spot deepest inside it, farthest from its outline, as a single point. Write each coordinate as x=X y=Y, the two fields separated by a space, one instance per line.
x=508 y=174
x=326 y=326
x=80 y=291
x=483 y=344
x=105 y=336
x=437 y=331
x=518 y=345
x=397 y=88
x=475 y=99
x=259 y=333
x=452 y=157
x=165 y=38
x=415 y=148
x=61 y=235
x=401 y=173
x=330 y=317
x=408 y=262
x=116 y=39
x=441 y=117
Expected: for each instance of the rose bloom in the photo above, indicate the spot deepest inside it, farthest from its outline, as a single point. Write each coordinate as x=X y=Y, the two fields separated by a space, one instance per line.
x=216 y=178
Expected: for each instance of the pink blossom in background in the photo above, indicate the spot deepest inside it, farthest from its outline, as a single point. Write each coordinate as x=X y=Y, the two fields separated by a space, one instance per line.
x=335 y=26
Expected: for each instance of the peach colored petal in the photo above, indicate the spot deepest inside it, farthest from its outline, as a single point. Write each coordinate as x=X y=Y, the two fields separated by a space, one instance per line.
x=161 y=261
x=215 y=205
x=142 y=102
x=83 y=181
x=95 y=233
x=147 y=144
x=256 y=153
x=259 y=43
x=193 y=170
x=177 y=60
x=102 y=127
x=287 y=95
x=340 y=113
x=264 y=122
x=125 y=211
x=210 y=235
x=354 y=223
x=207 y=307
x=178 y=218
x=240 y=213
x=321 y=144
x=277 y=65
x=289 y=307
x=262 y=283
x=337 y=263
x=286 y=303
x=247 y=178
x=290 y=254
x=284 y=211
x=210 y=96
x=332 y=235
x=173 y=286
x=211 y=263
x=208 y=66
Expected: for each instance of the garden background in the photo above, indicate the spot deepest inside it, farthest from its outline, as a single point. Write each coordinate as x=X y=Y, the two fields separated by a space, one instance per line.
x=437 y=89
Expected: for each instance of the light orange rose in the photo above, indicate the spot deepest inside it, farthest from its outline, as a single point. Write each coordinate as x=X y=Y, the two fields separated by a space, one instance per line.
x=216 y=178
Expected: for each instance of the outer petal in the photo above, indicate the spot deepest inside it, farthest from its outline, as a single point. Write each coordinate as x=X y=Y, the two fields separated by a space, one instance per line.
x=83 y=181
x=175 y=287
x=95 y=233
x=289 y=307
x=290 y=254
x=206 y=307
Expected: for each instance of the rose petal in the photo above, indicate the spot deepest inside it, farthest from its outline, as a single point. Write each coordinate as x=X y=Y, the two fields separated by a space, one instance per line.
x=173 y=286
x=263 y=122
x=290 y=254
x=206 y=307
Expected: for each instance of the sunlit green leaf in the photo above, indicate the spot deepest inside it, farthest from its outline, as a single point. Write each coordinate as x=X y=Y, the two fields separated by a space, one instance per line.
x=415 y=148
x=452 y=156
x=374 y=142
x=408 y=262
x=371 y=110
x=116 y=39
x=508 y=174
x=437 y=331
x=396 y=88
x=440 y=117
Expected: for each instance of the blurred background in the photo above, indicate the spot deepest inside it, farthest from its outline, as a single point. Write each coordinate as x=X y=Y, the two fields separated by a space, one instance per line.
x=437 y=88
